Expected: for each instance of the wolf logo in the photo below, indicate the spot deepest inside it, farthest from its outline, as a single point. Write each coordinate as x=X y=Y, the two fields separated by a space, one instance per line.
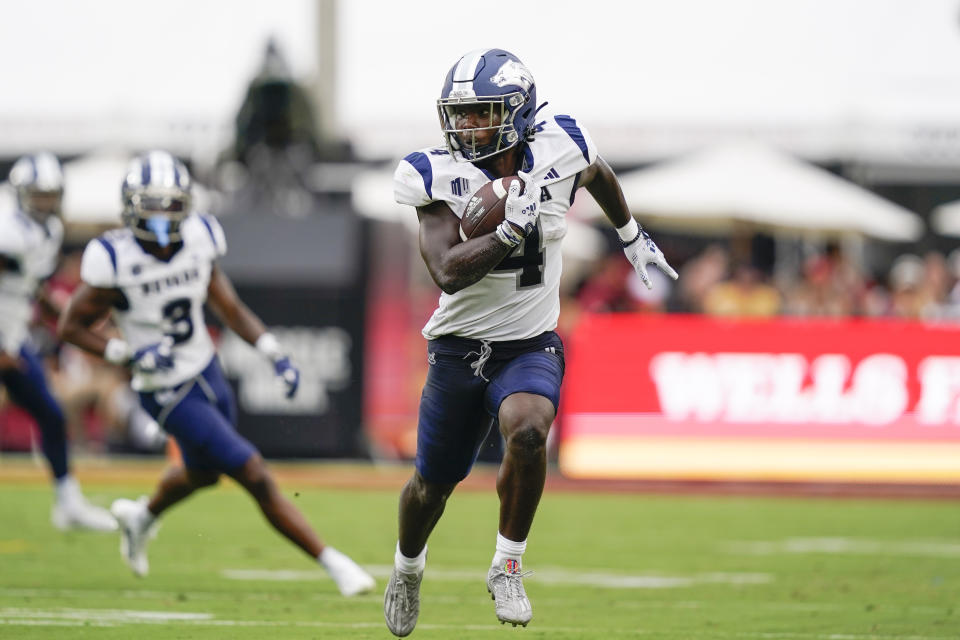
x=513 y=72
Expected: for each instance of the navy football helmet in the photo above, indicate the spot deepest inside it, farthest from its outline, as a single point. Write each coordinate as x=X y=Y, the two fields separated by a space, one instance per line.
x=38 y=181
x=156 y=197
x=487 y=104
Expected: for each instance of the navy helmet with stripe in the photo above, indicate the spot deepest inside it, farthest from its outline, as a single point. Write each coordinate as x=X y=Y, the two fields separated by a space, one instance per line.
x=38 y=181
x=156 y=197
x=502 y=88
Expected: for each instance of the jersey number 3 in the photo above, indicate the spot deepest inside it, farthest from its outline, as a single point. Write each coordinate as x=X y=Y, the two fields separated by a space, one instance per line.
x=180 y=323
x=527 y=259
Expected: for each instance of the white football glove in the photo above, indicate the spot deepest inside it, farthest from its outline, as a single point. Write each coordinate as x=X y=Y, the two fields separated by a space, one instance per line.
x=155 y=357
x=522 y=210
x=641 y=251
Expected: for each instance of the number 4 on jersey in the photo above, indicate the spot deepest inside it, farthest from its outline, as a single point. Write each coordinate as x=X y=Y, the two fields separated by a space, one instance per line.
x=527 y=259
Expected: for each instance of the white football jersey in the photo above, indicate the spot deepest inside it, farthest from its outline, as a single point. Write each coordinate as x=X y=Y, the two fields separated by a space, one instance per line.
x=31 y=250
x=519 y=298
x=160 y=298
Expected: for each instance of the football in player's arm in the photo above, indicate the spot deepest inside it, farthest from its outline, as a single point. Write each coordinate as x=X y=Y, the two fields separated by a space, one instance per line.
x=155 y=276
x=494 y=356
x=30 y=239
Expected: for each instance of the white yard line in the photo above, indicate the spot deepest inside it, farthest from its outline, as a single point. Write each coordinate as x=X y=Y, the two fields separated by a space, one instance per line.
x=19 y=616
x=112 y=615
x=544 y=575
x=119 y=617
x=849 y=546
x=779 y=606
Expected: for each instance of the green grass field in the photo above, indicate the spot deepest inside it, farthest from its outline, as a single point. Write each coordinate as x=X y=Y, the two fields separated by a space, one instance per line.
x=607 y=566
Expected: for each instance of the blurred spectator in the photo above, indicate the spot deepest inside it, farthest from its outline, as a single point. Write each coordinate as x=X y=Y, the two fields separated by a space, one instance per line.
x=831 y=286
x=698 y=277
x=936 y=282
x=952 y=299
x=746 y=294
x=910 y=294
x=653 y=299
x=606 y=288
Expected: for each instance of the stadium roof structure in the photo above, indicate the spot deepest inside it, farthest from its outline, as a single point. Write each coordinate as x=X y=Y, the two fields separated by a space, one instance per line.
x=750 y=185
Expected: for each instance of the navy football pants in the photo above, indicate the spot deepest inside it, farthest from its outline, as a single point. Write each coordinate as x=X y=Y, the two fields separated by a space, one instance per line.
x=461 y=399
x=28 y=389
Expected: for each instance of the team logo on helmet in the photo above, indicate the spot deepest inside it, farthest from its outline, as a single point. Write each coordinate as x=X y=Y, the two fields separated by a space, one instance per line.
x=513 y=73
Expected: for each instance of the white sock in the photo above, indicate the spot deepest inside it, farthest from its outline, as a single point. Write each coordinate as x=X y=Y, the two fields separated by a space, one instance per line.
x=410 y=565
x=67 y=489
x=331 y=559
x=509 y=550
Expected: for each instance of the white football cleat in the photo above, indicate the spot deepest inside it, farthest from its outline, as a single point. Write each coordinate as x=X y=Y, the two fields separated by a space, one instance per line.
x=72 y=511
x=136 y=529
x=81 y=515
x=506 y=589
x=401 y=602
x=350 y=577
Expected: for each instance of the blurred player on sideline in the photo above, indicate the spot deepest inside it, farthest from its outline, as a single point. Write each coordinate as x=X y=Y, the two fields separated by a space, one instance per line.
x=155 y=275
x=494 y=356
x=30 y=239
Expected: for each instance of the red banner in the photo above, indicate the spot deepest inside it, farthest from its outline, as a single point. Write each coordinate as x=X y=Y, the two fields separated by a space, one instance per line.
x=687 y=396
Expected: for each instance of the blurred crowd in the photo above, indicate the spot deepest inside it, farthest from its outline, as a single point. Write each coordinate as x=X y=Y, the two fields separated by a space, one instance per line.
x=825 y=283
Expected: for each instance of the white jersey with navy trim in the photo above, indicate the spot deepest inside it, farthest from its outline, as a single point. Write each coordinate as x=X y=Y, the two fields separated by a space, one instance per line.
x=520 y=298
x=29 y=251
x=160 y=298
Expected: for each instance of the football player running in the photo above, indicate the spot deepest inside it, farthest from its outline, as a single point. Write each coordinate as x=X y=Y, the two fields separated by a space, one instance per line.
x=30 y=237
x=494 y=356
x=154 y=276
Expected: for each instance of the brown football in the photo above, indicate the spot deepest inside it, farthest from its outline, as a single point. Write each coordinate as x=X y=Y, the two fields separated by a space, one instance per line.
x=485 y=210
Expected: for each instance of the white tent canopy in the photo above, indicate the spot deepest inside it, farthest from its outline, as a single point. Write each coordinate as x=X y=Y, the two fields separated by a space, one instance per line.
x=721 y=187
x=945 y=219
x=91 y=194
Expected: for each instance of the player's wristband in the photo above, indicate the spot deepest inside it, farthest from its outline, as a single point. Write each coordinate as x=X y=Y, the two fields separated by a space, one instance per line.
x=629 y=232
x=508 y=234
x=268 y=345
x=117 y=351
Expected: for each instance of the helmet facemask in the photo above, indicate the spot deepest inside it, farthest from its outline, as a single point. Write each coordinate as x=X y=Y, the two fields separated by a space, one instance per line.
x=156 y=215
x=40 y=204
x=494 y=114
x=156 y=198
x=38 y=181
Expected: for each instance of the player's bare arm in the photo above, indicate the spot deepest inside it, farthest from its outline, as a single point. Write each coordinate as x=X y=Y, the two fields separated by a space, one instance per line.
x=8 y=361
x=600 y=180
x=87 y=308
x=638 y=246
x=48 y=306
x=455 y=265
x=223 y=300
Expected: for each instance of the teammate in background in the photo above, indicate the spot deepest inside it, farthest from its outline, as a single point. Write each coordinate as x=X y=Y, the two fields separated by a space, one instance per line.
x=155 y=275
x=494 y=357
x=30 y=239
